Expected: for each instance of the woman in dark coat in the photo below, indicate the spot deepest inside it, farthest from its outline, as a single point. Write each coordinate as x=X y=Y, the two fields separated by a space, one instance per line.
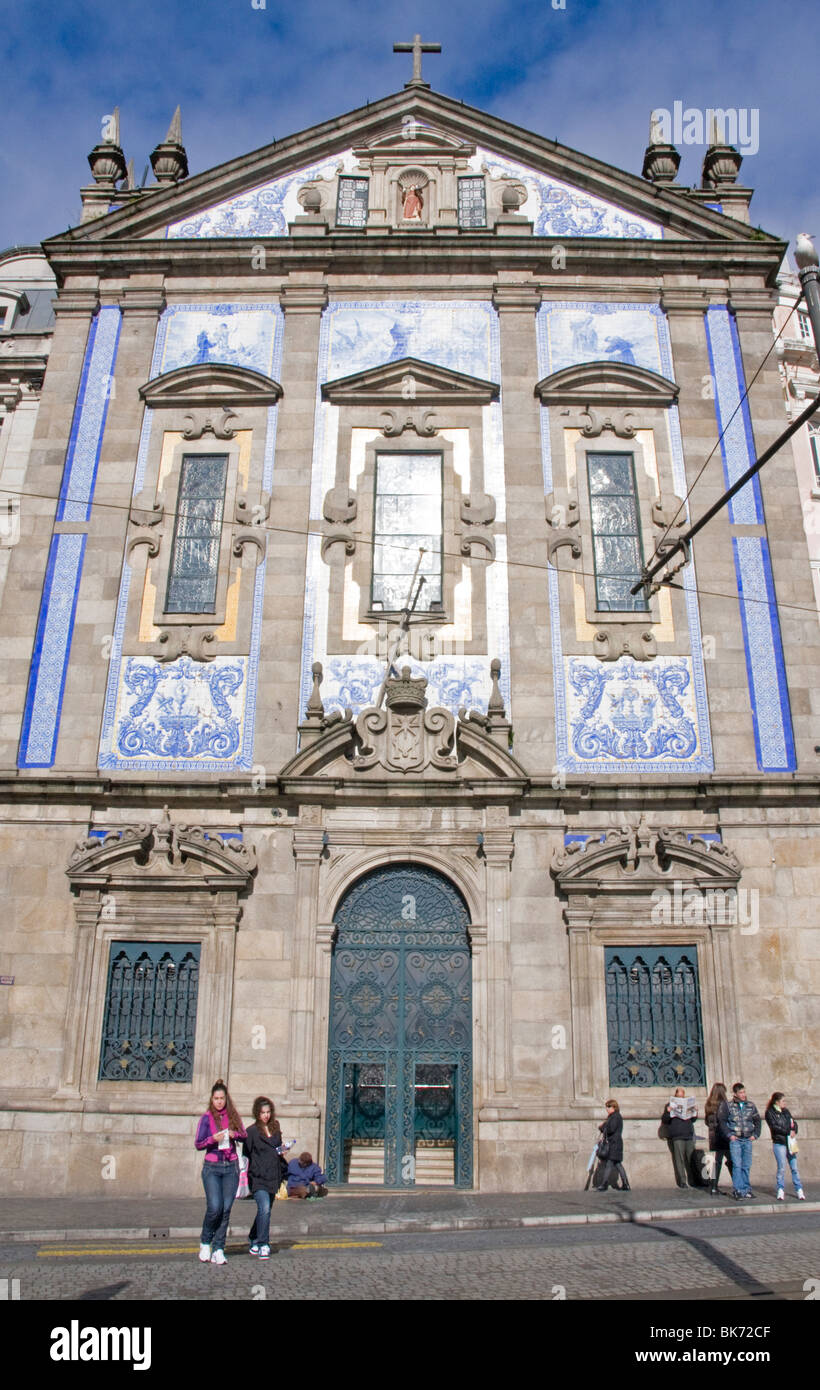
x=613 y=1157
x=265 y=1171
x=718 y=1144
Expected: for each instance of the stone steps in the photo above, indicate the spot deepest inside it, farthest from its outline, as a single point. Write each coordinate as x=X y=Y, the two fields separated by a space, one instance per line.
x=364 y=1163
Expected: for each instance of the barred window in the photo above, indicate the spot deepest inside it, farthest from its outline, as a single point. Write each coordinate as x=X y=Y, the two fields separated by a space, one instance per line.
x=616 y=532
x=194 y=568
x=351 y=202
x=472 y=203
x=150 y=1012
x=409 y=501
x=653 y=1016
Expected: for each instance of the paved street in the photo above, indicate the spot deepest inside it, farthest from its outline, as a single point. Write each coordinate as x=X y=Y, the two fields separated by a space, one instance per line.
x=722 y=1258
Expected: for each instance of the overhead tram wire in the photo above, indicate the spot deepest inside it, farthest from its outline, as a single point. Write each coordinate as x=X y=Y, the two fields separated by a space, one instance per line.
x=719 y=439
x=447 y=554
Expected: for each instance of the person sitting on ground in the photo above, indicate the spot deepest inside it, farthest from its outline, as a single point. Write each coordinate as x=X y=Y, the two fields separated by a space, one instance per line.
x=305 y=1178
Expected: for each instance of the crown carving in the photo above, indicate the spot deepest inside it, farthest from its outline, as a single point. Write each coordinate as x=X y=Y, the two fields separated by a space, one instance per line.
x=405 y=691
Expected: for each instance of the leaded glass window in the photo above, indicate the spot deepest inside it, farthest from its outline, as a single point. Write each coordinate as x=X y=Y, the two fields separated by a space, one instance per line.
x=472 y=203
x=150 y=1012
x=408 y=515
x=616 y=532
x=653 y=1016
x=194 y=568
x=351 y=202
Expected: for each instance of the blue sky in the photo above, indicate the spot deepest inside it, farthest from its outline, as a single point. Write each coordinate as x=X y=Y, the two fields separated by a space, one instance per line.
x=587 y=74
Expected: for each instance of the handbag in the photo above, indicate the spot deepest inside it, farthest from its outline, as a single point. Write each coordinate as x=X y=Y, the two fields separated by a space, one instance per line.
x=243 y=1189
x=603 y=1149
x=791 y=1144
x=664 y=1132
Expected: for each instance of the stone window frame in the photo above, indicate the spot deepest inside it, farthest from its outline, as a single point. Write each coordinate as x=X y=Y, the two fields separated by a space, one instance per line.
x=134 y=886
x=159 y=567
x=644 y=497
x=608 y=887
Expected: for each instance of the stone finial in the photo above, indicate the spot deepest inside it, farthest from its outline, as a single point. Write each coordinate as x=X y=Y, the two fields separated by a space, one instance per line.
x=107 y=160
x=315 y=709
x=496 y=701
x=660 y=162
x=130 y=179
x=721 y=163
x=169 y=160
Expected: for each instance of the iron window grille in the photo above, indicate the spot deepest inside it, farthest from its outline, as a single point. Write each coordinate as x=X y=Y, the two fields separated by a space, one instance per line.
x=351 y=202
x=193 y=571
x=616 y=532
x=472 y=203
x=653 y=1016
x=149 y=1024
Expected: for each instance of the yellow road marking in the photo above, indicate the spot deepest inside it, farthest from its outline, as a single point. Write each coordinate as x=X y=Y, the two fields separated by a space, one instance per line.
x=159 y=1248
x=336 y=1244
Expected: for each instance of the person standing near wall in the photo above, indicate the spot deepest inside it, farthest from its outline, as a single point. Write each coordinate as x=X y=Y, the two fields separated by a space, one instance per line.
x=217 y=1133
x=611 y=1148
x=783 y=1130
x=265 y=1171
x=681 y=1134
x=718 y=1145
x=739 y=1121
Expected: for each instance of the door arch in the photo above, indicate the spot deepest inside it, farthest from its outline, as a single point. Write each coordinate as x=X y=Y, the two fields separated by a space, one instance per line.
x=400 y=1029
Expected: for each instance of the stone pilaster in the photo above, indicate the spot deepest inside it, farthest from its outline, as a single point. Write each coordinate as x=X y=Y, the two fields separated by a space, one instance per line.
x=498 y=853
x=307 y=850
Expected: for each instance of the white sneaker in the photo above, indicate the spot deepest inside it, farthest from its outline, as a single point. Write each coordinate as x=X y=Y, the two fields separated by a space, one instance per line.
x=781 y=1196
x=264 y=1252
x=205 y=1253
x=218 y=1258
x=801 y=1196
x=254 y=1250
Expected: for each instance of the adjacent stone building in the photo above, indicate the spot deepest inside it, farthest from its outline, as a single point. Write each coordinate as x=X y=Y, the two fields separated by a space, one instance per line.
x=338 y=757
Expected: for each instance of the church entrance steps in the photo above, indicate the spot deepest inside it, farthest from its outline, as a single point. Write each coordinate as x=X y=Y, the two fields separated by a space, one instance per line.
x=435 y=1164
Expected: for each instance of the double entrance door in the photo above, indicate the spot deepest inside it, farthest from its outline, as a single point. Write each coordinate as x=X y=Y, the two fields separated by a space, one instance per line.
x=399 y=1108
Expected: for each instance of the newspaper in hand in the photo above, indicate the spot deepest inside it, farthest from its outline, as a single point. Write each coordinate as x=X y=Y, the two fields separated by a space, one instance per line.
x=683 y=1107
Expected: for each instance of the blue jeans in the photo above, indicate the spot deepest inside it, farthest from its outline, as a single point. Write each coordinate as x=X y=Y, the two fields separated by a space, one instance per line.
x=741 y=1152
x=259 y=1233
x=781 y=1153
x=220 y=1180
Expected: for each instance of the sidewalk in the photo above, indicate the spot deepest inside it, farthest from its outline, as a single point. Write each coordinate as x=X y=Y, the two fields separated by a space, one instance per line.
x=372 y=1211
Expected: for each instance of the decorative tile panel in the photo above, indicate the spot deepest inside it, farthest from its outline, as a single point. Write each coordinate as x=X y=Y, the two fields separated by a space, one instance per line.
x=606 y=721
x=462 y=335
x=52 y=643
x=557 y=209
x=187 y=716
x=734 y=423
x=264 y=211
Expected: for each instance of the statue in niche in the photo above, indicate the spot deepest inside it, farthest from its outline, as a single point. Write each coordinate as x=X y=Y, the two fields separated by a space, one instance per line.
x=413 y=205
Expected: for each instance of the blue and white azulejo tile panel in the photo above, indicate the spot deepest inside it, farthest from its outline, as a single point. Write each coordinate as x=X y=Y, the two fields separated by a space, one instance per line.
x=355 y=335
x=629 y=711
x=557 y=209
x=189 y=716
x=606 y=719
x=236 y=334
x=765 y=665
x=55 y=625
x=264 y=211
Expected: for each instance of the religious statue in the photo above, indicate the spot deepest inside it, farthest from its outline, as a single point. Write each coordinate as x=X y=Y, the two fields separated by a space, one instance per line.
x=413 y=204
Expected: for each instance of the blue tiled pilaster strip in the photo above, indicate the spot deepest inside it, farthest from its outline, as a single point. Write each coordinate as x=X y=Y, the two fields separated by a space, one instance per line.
x=55 y=625
x=768 y=691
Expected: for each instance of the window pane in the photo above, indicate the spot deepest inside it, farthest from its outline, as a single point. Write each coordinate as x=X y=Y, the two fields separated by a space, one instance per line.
x=616 y=532
x=194 y=568
x=408 y=515
x=351 y=205
x=472 y=203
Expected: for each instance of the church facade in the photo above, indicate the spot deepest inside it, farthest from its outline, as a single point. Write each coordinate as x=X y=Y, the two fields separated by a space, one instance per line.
x=339 y=757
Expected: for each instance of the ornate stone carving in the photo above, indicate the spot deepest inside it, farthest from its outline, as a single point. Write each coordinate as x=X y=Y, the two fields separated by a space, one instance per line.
x=615 y=420
x=256 y=515
x=622 y=639
x=186 y=641
x=169 y=160
x=145 y=514
x=252 y=535
x=562 y=517
x=339 y=509
x=158 y=850
x=644 y=854
x=413 y=420
x=477 y=513
x=406 y=736
x=210 y=424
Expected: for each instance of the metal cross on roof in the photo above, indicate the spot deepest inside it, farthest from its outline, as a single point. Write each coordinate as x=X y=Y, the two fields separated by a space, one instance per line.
x=416 y=48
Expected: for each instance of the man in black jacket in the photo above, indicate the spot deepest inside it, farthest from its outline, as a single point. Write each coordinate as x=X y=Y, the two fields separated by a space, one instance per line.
x=681 y=1141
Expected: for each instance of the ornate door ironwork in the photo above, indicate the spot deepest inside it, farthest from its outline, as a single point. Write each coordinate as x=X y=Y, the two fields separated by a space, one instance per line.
x=400 y=1046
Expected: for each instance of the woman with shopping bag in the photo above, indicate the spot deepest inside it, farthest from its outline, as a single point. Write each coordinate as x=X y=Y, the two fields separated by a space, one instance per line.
x=784 y=1140
x=266 y=1168
x=611 y=1149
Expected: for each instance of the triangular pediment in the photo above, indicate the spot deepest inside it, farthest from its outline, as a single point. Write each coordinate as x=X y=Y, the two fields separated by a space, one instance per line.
x=178 y=855
x=606 y=383
x=567 y=194
x=211 y=383
x=409 y=381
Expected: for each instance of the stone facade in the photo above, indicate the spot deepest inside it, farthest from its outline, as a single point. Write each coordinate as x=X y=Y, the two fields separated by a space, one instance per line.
x=588 y=776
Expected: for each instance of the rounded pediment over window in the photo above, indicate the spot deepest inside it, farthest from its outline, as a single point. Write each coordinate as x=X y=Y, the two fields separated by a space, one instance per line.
x=606 y=383
x=211 y=383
